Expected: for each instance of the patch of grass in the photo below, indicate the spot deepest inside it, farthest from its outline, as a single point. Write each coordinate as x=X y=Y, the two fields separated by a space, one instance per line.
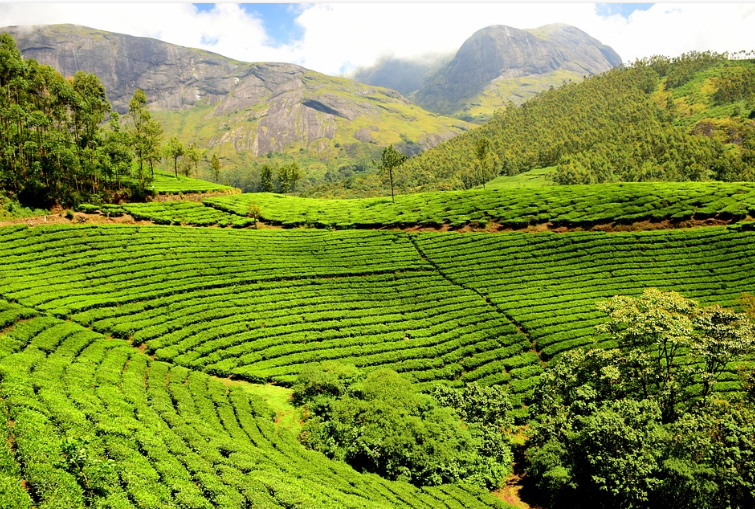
x=279 y=400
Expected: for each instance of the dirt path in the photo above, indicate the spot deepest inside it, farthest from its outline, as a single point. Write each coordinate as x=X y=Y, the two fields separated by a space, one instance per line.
x=78 y=218
x=59 y=217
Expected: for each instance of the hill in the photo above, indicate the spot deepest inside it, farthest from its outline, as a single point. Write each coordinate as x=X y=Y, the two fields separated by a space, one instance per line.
x=241 y=110
x=496 y=65
x=658 y=119
x=132 y=357
x=89 y=420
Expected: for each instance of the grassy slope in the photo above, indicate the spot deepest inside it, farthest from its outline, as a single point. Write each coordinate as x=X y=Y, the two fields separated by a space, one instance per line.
x=260 y=305
x=167 y=183
x=390 y=121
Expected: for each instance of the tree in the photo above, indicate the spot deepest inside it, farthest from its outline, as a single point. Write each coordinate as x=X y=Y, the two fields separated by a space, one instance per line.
x=294 y=174
x=288 y=175
x=659 y=333
x=485 y=166
x=266 y=178
x=117 y=152
x=284 y=178
x=142 y=136
x=192 y=156
x=215 y=166
x=391 y=159
x=173 y=150
x=379 y=422
x=154 y=136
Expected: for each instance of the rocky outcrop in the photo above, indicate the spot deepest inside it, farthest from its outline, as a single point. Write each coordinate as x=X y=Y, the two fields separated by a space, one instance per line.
x=173 y=77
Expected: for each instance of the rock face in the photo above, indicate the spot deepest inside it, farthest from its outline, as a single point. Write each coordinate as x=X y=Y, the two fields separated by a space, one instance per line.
x=257 y=107
x=173 y=77
x=497 y=54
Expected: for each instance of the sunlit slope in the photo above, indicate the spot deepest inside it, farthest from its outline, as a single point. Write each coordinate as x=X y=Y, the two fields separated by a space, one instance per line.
x=262 y=305
x=88 y=421
x=168 y=183
x=679 y=119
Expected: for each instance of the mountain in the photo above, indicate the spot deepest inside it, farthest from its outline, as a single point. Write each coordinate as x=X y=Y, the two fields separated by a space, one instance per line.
x=499 y=64
x=238 y=107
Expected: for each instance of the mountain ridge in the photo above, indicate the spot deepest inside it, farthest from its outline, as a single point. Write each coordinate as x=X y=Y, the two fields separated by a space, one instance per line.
x=237 y=106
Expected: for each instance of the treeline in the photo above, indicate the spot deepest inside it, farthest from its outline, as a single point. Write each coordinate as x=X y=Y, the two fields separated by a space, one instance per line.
x=607 y=128
x=640 y=425
x=63 y=144
x=54 y=146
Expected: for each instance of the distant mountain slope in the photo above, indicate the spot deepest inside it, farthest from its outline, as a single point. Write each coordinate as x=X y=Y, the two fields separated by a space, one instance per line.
x=495 y=65
x=237 y=107
x=401 y=74
x=497 y=53
x=680 y=119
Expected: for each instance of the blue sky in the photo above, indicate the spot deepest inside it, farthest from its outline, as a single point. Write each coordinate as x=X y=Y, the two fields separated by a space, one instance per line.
x=338 y=38
x=279 y=19
x=622 y=9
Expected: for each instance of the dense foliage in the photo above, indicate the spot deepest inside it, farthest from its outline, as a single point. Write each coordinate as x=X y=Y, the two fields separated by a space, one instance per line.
x=379 y=422
x=607 y=128
x=55 y=146
x=639 y=425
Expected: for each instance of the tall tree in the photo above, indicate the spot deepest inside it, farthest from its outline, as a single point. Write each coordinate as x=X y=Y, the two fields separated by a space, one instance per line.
x=153 y=144
x=192 y=156
x=173 y=150
x=266 y=178
x=140 y=136
x=391 y=159
x=117 y=152
x=215 y=166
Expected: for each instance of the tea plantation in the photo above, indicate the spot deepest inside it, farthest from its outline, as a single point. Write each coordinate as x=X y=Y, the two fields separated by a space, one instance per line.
x=117 y=341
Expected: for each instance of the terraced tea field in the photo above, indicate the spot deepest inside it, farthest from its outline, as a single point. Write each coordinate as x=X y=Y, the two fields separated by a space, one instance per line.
x=167 y=183
x=576 y=206
x=117 y=341
x=262 y=305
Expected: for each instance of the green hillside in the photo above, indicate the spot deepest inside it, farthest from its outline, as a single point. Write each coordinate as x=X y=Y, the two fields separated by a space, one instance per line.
x=167 y=183
x=435 y=306
x=659 y=119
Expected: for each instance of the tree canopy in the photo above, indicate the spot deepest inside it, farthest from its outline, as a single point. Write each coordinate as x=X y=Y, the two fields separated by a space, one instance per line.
x=640 y=425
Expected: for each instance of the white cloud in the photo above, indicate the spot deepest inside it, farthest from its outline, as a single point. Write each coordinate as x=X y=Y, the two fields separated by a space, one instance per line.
x=339 y=37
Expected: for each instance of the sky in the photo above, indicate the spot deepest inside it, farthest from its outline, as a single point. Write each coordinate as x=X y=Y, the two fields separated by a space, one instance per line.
x=337 y=38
